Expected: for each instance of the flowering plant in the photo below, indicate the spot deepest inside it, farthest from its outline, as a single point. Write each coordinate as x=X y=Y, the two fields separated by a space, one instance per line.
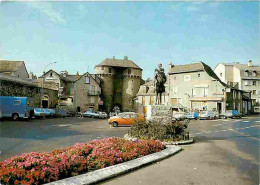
x=39 y=168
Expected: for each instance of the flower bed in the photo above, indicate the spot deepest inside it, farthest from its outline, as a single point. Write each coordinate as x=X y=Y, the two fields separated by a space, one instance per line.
x=39 y=168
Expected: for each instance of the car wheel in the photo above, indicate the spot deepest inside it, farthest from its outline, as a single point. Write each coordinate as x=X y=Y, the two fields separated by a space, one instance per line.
x=15 y=116
x=115 y=124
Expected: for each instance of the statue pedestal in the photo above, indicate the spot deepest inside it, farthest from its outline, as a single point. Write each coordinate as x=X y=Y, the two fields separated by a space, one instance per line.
x=159 y=113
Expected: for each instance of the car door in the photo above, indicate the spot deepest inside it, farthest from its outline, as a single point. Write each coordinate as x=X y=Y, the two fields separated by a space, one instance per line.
x=125 y=120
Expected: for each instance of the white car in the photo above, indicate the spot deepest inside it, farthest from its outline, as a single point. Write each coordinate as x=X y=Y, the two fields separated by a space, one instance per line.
x=179 y=115
x=207 y=115
x=102 y=115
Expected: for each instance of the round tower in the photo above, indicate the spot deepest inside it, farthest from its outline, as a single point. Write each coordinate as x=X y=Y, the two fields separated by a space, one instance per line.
x=131 y=85
x=106 y=73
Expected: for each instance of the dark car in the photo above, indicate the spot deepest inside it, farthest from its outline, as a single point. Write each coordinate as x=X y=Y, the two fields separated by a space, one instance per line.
x=232 y=114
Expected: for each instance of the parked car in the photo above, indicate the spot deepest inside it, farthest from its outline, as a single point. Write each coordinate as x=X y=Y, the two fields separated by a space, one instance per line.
x=207 y=115
x=16 y=107
x=102 y=115
x=232 y=114
x=47 y=112
x=192 y=115
x=38 y=112
x=53 y=113
x=90 y=114
x=179 y=115
x=61 y=113
x=125 y=118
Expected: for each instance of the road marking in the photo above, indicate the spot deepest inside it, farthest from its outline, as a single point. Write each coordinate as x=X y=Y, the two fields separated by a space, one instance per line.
x=226 y=130
x=65 y=125
x=248 y=136
x=236 y=121
x=218 y=124
x=245 y=121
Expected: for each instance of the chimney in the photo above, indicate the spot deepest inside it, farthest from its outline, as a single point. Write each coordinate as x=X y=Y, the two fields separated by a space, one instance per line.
x=125 y=58
x=170 y=65
x=250 y=63
x=77 y=75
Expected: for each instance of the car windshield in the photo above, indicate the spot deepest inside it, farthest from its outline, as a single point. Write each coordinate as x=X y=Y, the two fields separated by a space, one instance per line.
x=120 y=115
x=229 y=111
x=37 y=110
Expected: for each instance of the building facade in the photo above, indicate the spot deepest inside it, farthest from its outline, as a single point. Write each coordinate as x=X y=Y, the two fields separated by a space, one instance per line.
x=87 y=93
x=242 y=76
x=197 y=87
x=120 y=82
x=14 y=68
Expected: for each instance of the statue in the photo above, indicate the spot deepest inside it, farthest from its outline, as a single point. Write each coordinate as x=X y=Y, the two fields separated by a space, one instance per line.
x=159 y=80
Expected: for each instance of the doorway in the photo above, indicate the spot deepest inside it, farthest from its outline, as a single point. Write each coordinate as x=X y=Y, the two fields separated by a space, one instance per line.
x=219 y=107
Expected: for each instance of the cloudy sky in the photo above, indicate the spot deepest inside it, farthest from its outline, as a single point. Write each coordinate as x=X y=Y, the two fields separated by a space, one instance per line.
x=79 y=35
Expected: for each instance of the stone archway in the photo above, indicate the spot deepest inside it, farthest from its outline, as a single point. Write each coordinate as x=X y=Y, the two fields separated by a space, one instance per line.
x=45 y=101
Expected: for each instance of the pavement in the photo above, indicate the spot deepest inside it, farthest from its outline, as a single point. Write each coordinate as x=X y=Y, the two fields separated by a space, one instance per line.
x=224 y=152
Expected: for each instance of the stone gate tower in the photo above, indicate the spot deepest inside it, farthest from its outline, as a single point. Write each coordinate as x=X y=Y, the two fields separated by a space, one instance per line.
x=121 y=82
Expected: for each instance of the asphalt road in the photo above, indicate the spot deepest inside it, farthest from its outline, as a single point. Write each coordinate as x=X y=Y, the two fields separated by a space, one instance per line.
x=44 y=135
x=225 y=152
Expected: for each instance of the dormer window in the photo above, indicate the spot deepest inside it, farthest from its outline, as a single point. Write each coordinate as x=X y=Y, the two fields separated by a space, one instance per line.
x=246 y=72
x=254 y=73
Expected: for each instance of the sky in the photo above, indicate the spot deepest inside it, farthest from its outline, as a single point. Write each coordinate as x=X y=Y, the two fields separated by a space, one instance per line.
x=80 y=35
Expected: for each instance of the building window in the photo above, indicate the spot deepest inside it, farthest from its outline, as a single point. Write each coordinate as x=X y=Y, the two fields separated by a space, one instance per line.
x=50 y=74
x=174 y=78
x=254 y=82
x=254 y=92
x=253 y=101
x=102 y=68
x=254 y=73
x=175 y=90
x=234 y=94
x=151 y=100
x=199 y=75
x=234 y=106
x=110 y=70
x=220 y=74
x=129 y=71
x=87 y=80
x=143 y=100
x=92 y=100
x=246 y=82
x=246 y=72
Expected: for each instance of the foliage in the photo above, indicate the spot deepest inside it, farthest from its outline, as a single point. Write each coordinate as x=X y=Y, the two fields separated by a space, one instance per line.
x=40 y=168
x=157 y=130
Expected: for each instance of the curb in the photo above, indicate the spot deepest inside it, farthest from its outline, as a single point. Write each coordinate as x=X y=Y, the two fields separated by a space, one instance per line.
x=116 y=170
x=182 y=142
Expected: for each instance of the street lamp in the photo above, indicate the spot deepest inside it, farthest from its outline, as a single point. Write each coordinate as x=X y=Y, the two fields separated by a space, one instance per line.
x=43 y=81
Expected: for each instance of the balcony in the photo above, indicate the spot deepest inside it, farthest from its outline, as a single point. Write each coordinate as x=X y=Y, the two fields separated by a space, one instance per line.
x=93 y=93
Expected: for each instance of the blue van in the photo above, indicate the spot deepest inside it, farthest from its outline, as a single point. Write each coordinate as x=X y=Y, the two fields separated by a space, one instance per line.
x=16 y=107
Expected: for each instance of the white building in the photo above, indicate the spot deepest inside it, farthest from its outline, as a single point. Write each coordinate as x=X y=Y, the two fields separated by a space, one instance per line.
x=242 y=76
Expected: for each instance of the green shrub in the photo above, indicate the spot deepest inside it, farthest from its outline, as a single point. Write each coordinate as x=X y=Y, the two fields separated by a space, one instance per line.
x=156 y=130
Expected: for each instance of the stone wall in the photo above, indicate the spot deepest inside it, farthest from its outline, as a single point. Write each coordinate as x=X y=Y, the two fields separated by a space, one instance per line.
x=11 y=86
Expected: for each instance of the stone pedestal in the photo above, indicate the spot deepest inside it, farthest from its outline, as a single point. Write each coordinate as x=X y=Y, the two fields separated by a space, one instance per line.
x=159 y=113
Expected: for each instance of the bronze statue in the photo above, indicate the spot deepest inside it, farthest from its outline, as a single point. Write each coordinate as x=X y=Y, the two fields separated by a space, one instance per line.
x=159 y=80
